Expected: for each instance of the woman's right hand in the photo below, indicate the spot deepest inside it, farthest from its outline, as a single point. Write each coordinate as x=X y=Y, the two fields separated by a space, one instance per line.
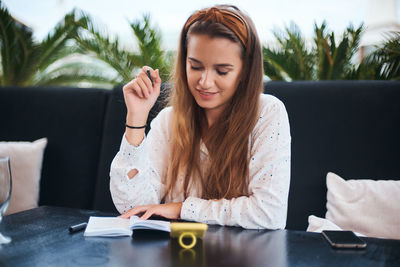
x=140 y=94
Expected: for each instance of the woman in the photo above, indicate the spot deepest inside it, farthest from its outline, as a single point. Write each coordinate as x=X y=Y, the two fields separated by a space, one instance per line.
x=220 y=154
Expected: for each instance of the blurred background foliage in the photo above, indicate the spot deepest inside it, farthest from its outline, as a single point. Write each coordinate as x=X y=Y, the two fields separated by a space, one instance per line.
x=330 y=57
x=77 y=53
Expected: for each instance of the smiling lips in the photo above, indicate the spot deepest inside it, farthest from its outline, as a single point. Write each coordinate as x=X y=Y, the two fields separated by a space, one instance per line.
x=205 y=93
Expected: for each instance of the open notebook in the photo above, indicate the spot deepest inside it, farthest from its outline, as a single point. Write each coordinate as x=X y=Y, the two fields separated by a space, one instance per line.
x=114 y=226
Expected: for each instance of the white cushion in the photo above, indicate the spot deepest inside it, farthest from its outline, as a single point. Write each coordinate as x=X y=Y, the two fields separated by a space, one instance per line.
x=26 y=164
x=317 y=225
x=369 y=207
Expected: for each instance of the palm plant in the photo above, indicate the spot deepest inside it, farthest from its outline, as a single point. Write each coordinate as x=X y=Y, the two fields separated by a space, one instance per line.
x=327 y=59
x=26 y=62
x=335 y=61
x=58 y=60
x=291 y=60
x=384 y=62
x=119 y=60
x=151 y=54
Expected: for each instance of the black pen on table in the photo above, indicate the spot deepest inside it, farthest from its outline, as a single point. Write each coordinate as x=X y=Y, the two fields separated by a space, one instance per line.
x=77 y=227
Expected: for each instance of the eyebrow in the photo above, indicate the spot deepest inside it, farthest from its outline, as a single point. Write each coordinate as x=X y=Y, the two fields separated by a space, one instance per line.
x=218 y=65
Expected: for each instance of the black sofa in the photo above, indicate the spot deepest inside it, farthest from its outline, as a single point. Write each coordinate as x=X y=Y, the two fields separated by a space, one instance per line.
x=351 y=128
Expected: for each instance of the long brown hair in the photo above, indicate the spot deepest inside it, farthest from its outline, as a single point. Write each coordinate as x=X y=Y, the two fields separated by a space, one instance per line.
x=226 y=174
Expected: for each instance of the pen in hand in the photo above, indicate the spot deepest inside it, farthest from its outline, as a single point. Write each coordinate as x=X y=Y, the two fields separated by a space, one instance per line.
x=148 y=75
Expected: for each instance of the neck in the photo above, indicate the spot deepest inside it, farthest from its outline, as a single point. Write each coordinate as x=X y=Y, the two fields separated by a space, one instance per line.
x=212 y=116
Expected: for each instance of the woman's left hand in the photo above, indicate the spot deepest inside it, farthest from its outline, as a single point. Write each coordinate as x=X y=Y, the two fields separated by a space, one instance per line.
x=168 y=210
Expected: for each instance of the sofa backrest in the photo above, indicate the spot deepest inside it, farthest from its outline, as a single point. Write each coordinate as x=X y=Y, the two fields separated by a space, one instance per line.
x=72 y=121
x=351 y=128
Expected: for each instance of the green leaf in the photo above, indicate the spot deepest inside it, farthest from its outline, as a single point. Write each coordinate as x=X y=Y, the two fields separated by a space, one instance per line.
x=387 y=58
x=149 y=42
x=22 y=58
x=291 y=60
x=16 y=48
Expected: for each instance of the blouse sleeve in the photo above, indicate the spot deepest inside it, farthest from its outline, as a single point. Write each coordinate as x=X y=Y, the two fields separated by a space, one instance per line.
x=147 y=186
x=269 y=166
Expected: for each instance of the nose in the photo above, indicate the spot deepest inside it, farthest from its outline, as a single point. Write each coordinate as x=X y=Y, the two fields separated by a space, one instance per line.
x=206 y=80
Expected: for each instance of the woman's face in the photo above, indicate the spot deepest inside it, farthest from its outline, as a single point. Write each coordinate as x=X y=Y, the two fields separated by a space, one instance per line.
x=213 y=67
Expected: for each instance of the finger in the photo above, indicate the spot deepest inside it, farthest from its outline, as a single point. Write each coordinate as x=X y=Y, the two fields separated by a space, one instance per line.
x=132 y=88
x=157 y=79
x=149 y=82
x=143 y=87
x=156 y=76
x=136 y=88
x=128 y=87
x=149 y=79
x=145 y=78
x=145 y=68
x=127 y=214
x=124 y=216
x=134 y=211
x=147 y=214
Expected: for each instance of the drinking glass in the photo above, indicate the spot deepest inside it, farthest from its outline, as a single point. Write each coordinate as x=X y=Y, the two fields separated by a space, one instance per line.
x=5 y=191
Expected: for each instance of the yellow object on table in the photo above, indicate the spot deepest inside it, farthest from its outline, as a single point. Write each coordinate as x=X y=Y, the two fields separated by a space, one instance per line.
x=181 y=230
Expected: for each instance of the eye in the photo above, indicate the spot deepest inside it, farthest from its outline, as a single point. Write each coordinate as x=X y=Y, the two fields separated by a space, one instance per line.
x=194 y=68
x=222 y=72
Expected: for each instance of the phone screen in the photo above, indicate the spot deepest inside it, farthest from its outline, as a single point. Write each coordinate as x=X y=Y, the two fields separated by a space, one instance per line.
x=343 y=239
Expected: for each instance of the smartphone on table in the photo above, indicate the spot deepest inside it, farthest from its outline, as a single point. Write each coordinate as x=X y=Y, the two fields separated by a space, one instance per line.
x=344 y=239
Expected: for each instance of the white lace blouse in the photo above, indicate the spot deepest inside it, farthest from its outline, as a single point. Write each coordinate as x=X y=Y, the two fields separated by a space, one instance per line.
x=269 y=168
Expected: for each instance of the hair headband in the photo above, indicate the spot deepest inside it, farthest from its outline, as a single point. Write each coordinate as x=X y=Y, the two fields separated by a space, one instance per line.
x=225 y=17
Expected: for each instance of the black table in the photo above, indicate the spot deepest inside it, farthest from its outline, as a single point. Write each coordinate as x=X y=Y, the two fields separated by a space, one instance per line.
x=40 y=237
